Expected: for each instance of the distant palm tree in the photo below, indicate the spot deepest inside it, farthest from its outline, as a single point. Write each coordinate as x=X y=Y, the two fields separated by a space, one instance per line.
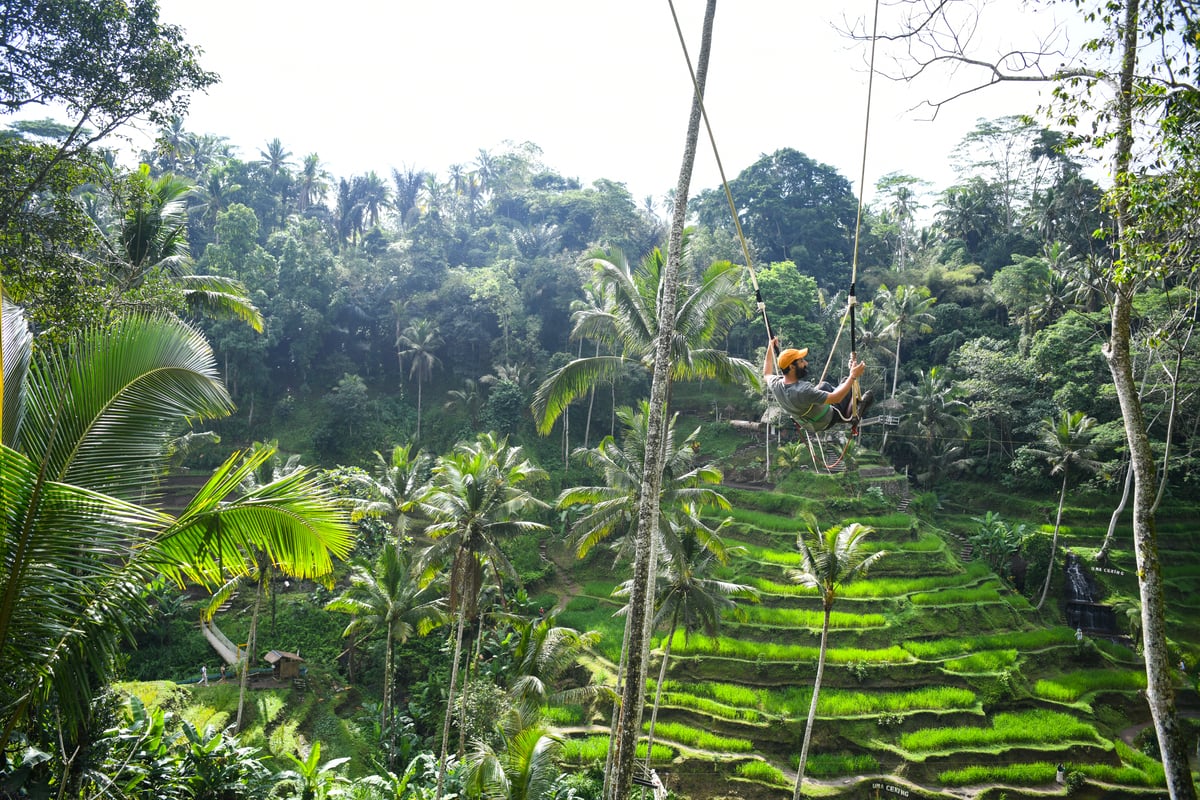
x=906 y=310
x=543 y=652
x=829 y=561
x=1064 y=443
x=396 y=488
x=688 y=597
x=475 y=502
x=469 y=400
x=150 y=243
x=387 y=597
x=314 y=182
x=416 y=345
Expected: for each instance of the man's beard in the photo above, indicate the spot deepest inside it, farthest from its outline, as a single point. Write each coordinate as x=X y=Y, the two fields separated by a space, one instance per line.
x=802 y=372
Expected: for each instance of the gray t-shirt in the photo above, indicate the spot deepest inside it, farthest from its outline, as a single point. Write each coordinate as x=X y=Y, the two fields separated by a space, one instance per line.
x=802 y=401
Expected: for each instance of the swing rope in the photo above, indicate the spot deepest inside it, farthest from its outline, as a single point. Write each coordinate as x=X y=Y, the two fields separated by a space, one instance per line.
x=761 y=305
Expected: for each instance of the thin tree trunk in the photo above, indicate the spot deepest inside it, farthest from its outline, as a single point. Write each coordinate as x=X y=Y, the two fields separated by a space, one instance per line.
x=418 y=408
x=1160 y=694
x=812 y=707
x=458 y=637
x=251 y=645
x=662 y=676
x=1062 y=498
x=385 y=719
x=1102 y=556
x=632 y=699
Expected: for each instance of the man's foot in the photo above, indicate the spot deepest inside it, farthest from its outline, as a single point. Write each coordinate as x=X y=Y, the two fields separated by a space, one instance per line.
x=864 y=405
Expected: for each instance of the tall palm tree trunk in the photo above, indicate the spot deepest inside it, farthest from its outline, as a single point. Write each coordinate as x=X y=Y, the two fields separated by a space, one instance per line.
x=458 y=639
x=812 y=707
x=1062 y=497
x=385 y=714
x=251 y=646
x=418 y=408
x=633 y=696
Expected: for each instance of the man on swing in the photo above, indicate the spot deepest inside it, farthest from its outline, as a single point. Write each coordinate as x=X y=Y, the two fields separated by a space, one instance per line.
x=818 y=406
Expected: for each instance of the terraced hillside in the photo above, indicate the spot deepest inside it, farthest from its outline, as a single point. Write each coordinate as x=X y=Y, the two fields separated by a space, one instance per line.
x=941 y=681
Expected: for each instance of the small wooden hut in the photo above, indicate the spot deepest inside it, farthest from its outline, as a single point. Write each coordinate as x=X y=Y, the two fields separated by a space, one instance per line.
x=284 y=665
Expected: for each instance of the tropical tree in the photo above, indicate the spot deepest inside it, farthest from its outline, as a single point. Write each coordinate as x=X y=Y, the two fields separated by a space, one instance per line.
x=526 y=766
x=629 y=321
x=829 y=560
x=388 y=598
x=475 y=502
x=86 y=433
x=149 y=243
x=315 y=780
x=395 y=488
x=619 y=771
x=543 y=652
x=609 y=510
x=906 y=309
x=688 y=597
x=416 y=345
x=934 y=424
x=1064 y=442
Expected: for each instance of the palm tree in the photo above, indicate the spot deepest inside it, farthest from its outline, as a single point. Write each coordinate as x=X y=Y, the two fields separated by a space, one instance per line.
x=628 y=324
x=610 y=509
x=543 y=652
x=1064 y=443
x=906 y=309
x=475 y=503
x=396 y=488
x=525 y=768
x=469 y=400
x=934 y=424
x=829 y=560
x=688 y=597
x=150 y=243
x=314 y=182
x=416 y=345
x=85 y=431
x=388 y=598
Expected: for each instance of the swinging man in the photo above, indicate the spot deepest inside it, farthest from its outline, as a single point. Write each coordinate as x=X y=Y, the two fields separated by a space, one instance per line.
x=818 y=406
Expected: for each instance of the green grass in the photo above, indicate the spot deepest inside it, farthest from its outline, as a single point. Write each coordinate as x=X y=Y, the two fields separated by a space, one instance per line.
x=726 y=647
x=763 y=772
x=701 y=739
x=1031 y=774
x=1023 y=641
x=807 y=618
x=1038 y=727
x=957 y=597
x=875 y=588
x=1070 y=687
x=987 y=661
x=594 y=749
x=833 y=765
x=564 y=715
x=736 y=702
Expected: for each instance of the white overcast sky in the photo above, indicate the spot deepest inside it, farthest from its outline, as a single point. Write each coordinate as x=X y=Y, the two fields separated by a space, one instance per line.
x=601 y=87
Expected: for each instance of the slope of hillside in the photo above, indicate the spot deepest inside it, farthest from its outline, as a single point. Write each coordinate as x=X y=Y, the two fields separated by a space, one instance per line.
x=940 y=681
